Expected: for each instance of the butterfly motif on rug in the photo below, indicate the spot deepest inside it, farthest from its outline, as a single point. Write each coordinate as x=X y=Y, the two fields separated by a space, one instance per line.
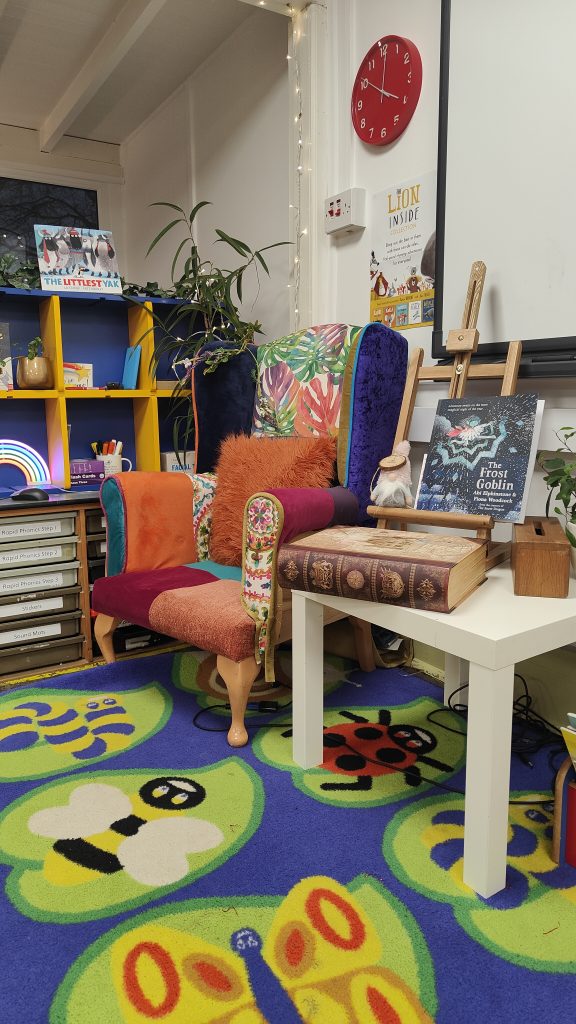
x=319 y=961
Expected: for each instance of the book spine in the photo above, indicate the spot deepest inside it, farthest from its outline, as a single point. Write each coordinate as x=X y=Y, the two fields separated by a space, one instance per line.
x=410 y=584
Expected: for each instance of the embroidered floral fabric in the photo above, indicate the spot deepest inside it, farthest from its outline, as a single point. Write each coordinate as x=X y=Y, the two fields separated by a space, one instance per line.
x=299 y=390
x=263 y=524
x=204 y=491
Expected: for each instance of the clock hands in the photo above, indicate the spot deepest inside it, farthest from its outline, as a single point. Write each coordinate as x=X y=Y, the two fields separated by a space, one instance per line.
x=391 y=95
x=383 y=74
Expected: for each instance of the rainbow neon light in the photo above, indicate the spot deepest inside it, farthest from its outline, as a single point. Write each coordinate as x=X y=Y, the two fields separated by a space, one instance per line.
x=15 y=453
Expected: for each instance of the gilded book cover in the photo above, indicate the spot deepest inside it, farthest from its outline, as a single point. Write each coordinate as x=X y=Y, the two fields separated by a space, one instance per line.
x=418 y=570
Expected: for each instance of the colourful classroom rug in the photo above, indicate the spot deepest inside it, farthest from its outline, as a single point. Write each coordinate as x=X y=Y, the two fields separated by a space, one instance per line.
x=152 y=874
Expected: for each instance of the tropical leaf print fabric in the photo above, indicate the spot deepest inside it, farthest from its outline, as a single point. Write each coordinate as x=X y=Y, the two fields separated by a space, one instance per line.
x=300 y=380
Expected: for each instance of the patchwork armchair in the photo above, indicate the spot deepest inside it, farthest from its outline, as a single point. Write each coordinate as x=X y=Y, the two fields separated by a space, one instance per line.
x=162 y=573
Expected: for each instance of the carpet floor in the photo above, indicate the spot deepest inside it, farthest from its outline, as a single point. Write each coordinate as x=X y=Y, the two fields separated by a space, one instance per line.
x=151 y=873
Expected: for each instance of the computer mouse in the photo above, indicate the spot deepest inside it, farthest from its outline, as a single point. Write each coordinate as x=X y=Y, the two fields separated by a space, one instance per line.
x=31 y=494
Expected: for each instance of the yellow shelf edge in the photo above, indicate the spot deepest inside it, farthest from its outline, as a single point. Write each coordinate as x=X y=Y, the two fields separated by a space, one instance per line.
x=29 y=393
x=98 y=393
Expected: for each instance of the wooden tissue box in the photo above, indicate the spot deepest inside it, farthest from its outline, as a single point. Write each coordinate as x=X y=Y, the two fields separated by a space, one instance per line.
x=540 y=558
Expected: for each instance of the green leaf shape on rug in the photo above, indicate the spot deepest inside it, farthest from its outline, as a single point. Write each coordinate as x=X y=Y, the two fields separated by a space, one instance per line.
x=195 y=672
x=111 y=841
x=530 y=922
x=372 y=756
x=47 y=732
x=354 y=953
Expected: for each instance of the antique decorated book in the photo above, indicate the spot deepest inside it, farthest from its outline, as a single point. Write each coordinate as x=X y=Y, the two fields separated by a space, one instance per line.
x=481 y=456
x=418 y=570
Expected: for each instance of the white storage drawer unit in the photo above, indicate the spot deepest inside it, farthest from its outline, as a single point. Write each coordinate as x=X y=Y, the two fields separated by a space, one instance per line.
x=24 y=606
x=37 y=579
x=43 y=528
x=44 y=627
x=33 y=552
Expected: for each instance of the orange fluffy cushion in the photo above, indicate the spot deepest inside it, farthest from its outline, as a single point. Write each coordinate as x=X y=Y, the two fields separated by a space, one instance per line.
x=250 y=464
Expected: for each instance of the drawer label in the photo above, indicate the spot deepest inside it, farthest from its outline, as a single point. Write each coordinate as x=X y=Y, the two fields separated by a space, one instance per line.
x=32 y=633
x=103 y=546
x=12 y=531
x=30 y=555
x=9 y=611
x=52 y=579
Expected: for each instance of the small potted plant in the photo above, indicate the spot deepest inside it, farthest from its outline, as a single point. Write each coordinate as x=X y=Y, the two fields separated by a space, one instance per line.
x=34 y=370
x=560 y=478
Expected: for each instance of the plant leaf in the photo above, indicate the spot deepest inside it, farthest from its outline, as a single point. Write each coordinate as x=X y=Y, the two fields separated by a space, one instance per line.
x=196 y=209
x=237 y=245
x=162 y=233
x=172 y=206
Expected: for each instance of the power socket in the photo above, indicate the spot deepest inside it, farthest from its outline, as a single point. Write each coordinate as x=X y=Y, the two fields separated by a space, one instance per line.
x=345 y=211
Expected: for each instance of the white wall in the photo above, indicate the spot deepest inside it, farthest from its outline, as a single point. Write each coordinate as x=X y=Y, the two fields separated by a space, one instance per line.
x=353 y=26
x=240 y=114
x=222 y=137
x=157 y=168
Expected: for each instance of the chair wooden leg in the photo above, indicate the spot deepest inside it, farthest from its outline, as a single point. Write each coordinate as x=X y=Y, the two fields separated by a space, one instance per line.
x=364 y=644
x=104 y=631
x=239 y=677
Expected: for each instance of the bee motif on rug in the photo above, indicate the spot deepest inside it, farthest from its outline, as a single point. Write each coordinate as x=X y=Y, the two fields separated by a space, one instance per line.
x=96 y=726
x=103 y=831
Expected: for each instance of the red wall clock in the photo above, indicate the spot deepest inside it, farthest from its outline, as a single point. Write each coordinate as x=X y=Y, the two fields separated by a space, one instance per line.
x=386 y=90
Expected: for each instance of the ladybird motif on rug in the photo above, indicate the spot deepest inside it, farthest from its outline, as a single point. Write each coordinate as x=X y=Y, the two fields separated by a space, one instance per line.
x=531 y=921
x=46 y=732
x=87 y=848
x=372 y=755
x=325 y=952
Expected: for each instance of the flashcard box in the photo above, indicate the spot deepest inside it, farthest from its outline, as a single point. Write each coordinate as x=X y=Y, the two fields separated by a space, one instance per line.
x=86 y=471
x=169 y=462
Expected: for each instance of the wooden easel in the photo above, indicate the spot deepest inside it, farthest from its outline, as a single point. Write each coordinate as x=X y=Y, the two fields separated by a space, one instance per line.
x=462 y=343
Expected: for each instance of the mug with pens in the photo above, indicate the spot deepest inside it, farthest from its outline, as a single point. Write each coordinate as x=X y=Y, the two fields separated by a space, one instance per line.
x=110 y=453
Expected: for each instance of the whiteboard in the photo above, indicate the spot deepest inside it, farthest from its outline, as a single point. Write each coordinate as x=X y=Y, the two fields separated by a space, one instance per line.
x=511 y=167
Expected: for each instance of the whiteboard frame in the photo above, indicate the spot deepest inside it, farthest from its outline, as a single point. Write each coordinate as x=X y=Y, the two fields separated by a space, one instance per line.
x=490 y=351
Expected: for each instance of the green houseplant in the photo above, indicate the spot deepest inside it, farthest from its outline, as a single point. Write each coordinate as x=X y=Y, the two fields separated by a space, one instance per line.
x=208 y=311
x=34 y=370
x=560 y=478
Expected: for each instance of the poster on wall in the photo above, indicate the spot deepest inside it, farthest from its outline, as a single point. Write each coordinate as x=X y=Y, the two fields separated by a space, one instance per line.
x=402 y=257
x=77 y=259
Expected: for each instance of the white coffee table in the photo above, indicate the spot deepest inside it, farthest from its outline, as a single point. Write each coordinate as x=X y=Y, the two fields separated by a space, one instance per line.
x=491 y=630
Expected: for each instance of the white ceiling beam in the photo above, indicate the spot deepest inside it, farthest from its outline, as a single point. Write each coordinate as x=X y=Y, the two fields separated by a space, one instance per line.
x=121 y=35
x=287 y=7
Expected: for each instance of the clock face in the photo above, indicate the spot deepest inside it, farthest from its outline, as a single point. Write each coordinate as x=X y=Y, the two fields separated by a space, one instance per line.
x=386 y=90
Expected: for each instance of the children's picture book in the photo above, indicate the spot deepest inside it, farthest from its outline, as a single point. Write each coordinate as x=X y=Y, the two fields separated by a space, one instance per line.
x=6 y=378
x=77 y=259
x=481 y=456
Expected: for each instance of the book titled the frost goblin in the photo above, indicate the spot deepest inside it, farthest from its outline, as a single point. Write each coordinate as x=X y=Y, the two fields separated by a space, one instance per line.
x=481 y=456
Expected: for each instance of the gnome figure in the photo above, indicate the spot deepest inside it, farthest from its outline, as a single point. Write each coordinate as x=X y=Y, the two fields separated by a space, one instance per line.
x=392 y=487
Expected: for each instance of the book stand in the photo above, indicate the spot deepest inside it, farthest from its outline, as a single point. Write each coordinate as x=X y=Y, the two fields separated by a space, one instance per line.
x=461 y=343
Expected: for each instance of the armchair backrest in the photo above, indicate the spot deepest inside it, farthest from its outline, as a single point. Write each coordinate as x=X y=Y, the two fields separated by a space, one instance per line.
x=331 y=379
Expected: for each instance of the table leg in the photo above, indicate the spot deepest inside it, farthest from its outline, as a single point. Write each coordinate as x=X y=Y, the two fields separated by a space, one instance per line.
x=488 y=778
x=307 y=681
x=456 y=672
